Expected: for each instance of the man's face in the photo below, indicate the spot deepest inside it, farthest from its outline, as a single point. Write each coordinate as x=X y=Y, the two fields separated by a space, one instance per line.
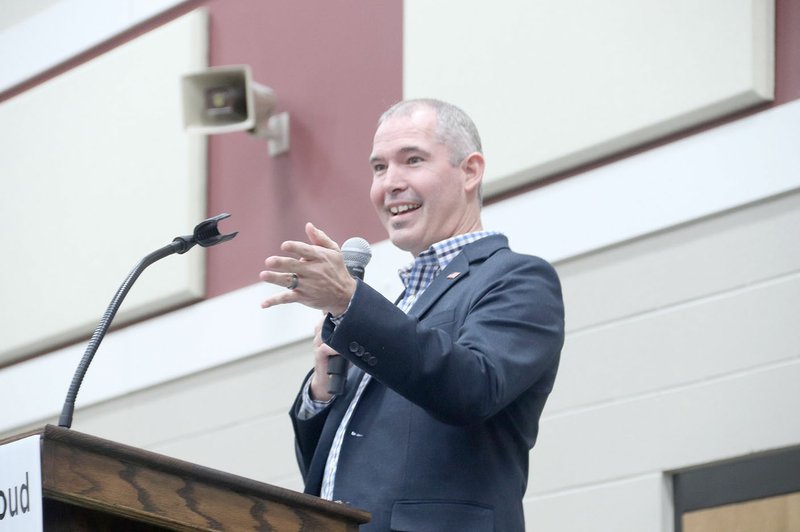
x=420 y=197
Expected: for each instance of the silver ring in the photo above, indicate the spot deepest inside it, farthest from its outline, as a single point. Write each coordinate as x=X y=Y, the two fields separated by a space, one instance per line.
x=293 y=282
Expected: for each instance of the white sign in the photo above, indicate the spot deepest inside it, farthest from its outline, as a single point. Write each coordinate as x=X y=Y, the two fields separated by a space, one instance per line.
x=21 y=486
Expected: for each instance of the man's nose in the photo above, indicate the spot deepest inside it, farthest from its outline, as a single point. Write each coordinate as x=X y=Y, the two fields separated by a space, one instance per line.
x=394 y=178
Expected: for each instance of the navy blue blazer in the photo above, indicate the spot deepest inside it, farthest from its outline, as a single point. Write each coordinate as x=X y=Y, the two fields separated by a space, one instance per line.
x=440 y=438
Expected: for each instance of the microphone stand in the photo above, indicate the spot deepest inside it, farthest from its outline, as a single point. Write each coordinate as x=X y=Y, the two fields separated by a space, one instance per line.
x=205 y=233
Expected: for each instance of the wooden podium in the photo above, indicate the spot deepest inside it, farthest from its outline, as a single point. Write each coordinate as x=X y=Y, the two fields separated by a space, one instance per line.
x=92 y=484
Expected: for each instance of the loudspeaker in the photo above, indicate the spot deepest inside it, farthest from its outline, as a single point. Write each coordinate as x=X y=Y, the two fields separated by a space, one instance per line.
x=224 y=99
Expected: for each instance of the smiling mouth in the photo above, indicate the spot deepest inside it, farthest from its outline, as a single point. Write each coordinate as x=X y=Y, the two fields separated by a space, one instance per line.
x=402 y=209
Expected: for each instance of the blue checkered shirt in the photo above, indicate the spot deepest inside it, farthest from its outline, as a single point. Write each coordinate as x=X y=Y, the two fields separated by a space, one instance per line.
x=418 y=275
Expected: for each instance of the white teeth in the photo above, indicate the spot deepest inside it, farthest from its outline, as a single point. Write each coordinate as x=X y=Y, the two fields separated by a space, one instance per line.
x=402 y=208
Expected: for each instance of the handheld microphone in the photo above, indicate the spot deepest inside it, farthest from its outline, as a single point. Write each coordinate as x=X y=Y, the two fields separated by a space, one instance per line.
x=356 y=254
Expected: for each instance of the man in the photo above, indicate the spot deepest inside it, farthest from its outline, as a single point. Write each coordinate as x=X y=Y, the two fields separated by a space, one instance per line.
x=445 y=391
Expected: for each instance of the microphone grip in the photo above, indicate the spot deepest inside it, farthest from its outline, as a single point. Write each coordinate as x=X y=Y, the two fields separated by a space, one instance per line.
x=337 y=371
x=355 y=254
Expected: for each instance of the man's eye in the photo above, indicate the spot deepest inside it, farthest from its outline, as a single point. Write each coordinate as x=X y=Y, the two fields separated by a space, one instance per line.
x=414 y=159
x=378 y=168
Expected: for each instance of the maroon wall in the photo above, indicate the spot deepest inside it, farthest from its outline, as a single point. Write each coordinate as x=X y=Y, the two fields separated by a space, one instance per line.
x=787 y=51
x=335 y=67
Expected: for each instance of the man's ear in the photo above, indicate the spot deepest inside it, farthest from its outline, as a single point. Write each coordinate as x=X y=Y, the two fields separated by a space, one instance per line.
x=473 y=166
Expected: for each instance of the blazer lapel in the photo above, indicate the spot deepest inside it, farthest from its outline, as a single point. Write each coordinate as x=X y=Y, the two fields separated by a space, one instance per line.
x=457 y=270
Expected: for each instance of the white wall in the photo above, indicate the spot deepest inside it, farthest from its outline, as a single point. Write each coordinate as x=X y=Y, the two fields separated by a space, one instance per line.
x=38 y=35
x=97 y=172
x=681 y=275
x=681 y=349
x=553 y=84
x=588 y=213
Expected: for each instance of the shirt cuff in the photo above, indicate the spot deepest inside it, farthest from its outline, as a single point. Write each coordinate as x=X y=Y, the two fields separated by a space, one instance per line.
x=338 y=319
x=310 y=407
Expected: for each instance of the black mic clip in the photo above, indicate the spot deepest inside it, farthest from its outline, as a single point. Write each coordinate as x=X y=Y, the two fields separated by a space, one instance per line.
x=205 y=233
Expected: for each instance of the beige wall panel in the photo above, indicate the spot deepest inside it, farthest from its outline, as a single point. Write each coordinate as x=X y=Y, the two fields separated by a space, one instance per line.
x=723 y=335
x=629 y=505
x=685 y=351
x=691 y=262
x=553 y=85
x=693 y=424
x=233 y=418
x=261 y=449
x=772 y=514
x=97 y=172
x=237 y=393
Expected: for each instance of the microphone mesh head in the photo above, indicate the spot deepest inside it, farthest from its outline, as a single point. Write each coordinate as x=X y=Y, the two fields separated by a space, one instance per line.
x=356 y=253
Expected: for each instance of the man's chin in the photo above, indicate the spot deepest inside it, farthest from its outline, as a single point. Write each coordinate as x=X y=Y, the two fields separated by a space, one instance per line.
x=402 y=240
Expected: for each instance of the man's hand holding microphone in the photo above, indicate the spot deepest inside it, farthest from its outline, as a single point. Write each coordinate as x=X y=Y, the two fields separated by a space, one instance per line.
x=320 y=275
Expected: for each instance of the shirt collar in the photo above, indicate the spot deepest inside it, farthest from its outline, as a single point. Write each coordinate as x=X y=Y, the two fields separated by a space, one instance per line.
x=441 y=253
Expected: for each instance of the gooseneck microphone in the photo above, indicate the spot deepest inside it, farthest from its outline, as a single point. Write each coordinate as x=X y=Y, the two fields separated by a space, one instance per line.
x=356 y=254
x=205 y=233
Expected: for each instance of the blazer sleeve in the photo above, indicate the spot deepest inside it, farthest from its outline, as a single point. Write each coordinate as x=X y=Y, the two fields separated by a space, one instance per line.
x=307 y=431
x=491 y=338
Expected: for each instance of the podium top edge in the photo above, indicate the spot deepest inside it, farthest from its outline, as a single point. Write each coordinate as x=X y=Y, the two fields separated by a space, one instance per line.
x=55 y=435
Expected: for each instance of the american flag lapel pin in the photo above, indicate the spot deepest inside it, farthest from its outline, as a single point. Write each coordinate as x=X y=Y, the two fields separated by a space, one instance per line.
x=453 y=275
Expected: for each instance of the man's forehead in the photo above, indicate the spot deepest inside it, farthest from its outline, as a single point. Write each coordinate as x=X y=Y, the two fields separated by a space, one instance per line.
x=403 y=133
x=379 y=154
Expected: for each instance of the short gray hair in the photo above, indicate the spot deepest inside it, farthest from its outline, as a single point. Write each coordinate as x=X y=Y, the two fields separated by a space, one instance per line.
x=454 y=128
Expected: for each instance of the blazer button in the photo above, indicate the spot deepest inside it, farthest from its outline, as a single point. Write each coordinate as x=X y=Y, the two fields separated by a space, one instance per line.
x=354 y=347
x=372 y=361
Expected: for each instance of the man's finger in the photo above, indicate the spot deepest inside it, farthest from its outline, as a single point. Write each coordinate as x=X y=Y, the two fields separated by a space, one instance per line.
x=279 y=299
x=320 y=238
x=300 y=249
x=282 y=264
x=281 y=279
